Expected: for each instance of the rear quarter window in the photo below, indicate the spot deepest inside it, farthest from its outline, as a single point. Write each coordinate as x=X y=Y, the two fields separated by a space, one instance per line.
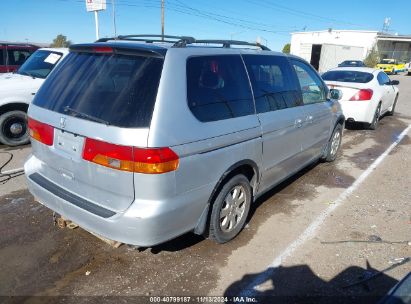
x=218 y=88
x=118 y=89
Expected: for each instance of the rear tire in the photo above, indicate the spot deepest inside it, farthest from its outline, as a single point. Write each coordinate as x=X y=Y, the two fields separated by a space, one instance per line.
x=230 y=209
x=391 y=113
x=13 y=128
x=334 y=144
x=374 y=124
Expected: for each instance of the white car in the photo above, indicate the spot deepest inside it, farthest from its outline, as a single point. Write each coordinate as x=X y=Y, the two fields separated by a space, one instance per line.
x=367 y=93
x=18 y=89
x=409 y=68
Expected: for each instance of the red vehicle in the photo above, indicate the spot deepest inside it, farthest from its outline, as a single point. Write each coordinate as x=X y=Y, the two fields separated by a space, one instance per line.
x=13 y=55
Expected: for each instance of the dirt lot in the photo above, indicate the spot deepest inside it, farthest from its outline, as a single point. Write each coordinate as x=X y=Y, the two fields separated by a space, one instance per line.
x=280 y=256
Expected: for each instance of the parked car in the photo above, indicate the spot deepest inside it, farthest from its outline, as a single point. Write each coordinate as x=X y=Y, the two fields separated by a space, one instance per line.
x=409 y=69
x=391 y=66
x=18 y=89
x=13 y=55
x=367 y=93
x=351 y=63
x=142 y=142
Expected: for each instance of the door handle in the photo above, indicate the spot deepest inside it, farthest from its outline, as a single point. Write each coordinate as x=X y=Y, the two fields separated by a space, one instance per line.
x=299 y=123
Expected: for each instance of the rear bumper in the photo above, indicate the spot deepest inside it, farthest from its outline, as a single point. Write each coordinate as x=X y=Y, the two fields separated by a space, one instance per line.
x=359 y=111
x=144 y=223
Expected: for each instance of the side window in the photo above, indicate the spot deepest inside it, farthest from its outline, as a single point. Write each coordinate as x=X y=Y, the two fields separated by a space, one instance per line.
x=273 y=83
x=218 y=88
x=2 y=57
x=17 y=57
x=312 y=87
x=383 y=79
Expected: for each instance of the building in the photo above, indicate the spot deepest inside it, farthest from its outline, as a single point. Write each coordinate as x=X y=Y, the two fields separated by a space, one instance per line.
x=325 y=49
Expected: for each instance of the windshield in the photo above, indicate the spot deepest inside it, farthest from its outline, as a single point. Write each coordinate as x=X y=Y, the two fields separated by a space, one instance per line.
x=114 y=89
x=40 y=64
x=348 y=76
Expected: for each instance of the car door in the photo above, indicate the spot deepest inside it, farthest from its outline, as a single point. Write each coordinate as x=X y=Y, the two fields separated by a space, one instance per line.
x=278 y=106
x=388 y=91
x=318 y=110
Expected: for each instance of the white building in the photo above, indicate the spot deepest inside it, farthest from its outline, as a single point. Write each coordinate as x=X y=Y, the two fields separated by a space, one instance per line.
x=325 y=49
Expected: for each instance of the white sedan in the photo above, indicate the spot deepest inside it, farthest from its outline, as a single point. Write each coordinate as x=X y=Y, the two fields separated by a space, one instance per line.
x=367 y=93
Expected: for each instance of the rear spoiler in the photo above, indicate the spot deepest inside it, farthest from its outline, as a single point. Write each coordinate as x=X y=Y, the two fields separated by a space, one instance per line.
x=117 y=48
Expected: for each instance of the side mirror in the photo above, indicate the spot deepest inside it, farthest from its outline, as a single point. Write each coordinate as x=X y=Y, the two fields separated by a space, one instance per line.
x=335 y=94
x=395 y=82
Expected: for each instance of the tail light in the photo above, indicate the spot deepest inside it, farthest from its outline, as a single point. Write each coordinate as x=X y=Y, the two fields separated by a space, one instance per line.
x=41 y=132
x=363 y=94
x=132 y=159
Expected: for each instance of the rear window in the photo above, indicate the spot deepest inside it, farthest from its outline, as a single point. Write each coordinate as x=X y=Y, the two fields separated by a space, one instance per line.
x=218 y=88
x=119 y=90
x=348 y=76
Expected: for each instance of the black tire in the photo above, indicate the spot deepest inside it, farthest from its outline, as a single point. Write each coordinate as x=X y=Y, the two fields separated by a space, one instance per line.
x=218 y=221
x=391 y=113
x=374 y=124
x=13 y=128
x=334 y=144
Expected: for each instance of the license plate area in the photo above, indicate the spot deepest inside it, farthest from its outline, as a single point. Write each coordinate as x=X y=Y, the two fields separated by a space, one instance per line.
x=69 y=143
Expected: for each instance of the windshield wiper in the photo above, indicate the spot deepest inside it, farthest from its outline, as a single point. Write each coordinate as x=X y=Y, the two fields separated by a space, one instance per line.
x=87 y=116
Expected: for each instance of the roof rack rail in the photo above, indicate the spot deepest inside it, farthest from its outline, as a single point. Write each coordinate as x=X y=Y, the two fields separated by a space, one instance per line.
x=229 y=43
x=180 y=41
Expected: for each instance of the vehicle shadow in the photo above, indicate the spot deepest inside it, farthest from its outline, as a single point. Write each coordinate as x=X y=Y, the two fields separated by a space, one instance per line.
x=299 y=284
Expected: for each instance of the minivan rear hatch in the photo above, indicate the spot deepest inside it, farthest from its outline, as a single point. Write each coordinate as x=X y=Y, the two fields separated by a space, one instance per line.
x=97 y=105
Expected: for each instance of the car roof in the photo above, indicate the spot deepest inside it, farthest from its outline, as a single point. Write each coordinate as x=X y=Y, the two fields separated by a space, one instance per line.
x=358 y=69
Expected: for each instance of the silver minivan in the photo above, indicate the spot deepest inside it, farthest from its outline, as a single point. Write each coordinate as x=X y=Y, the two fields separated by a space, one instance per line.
x=142 y=140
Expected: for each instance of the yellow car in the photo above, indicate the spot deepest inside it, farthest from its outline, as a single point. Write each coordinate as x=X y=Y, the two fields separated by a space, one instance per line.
x=391 y=66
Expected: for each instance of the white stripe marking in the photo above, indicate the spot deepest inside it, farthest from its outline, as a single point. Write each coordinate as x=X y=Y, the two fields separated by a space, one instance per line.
x=310 y=231
x=11 y=171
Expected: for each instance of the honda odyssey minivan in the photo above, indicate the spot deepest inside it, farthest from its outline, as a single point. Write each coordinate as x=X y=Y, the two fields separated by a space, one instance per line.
x=141 y=140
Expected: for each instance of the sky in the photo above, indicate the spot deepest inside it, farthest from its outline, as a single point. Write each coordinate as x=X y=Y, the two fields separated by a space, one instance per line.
x=270 y=20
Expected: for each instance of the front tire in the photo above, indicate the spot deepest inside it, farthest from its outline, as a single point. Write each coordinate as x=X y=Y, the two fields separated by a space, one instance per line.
x=334 y=144
x=230 y=209
x=13 y=128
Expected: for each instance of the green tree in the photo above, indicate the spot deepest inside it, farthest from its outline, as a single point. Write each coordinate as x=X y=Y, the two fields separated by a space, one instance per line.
x=60 y=41
x=286 y=48
x=372 y=58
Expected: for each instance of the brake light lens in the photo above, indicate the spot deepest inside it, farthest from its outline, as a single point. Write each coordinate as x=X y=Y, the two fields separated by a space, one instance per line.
x=41 y=132
x=363 y=94
x=132 y=159
x=102 y=49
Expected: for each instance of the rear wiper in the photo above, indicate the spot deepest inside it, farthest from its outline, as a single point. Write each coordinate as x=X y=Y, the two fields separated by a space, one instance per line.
x=87 y=116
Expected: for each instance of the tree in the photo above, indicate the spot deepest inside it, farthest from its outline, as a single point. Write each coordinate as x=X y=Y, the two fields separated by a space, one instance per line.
x=286 y=48
x=372 y=58
x=60 y=41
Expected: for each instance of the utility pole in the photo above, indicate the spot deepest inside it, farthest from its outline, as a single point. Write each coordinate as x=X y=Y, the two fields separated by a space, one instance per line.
x=162 y=19
x=114 y=18
x=97 y=29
